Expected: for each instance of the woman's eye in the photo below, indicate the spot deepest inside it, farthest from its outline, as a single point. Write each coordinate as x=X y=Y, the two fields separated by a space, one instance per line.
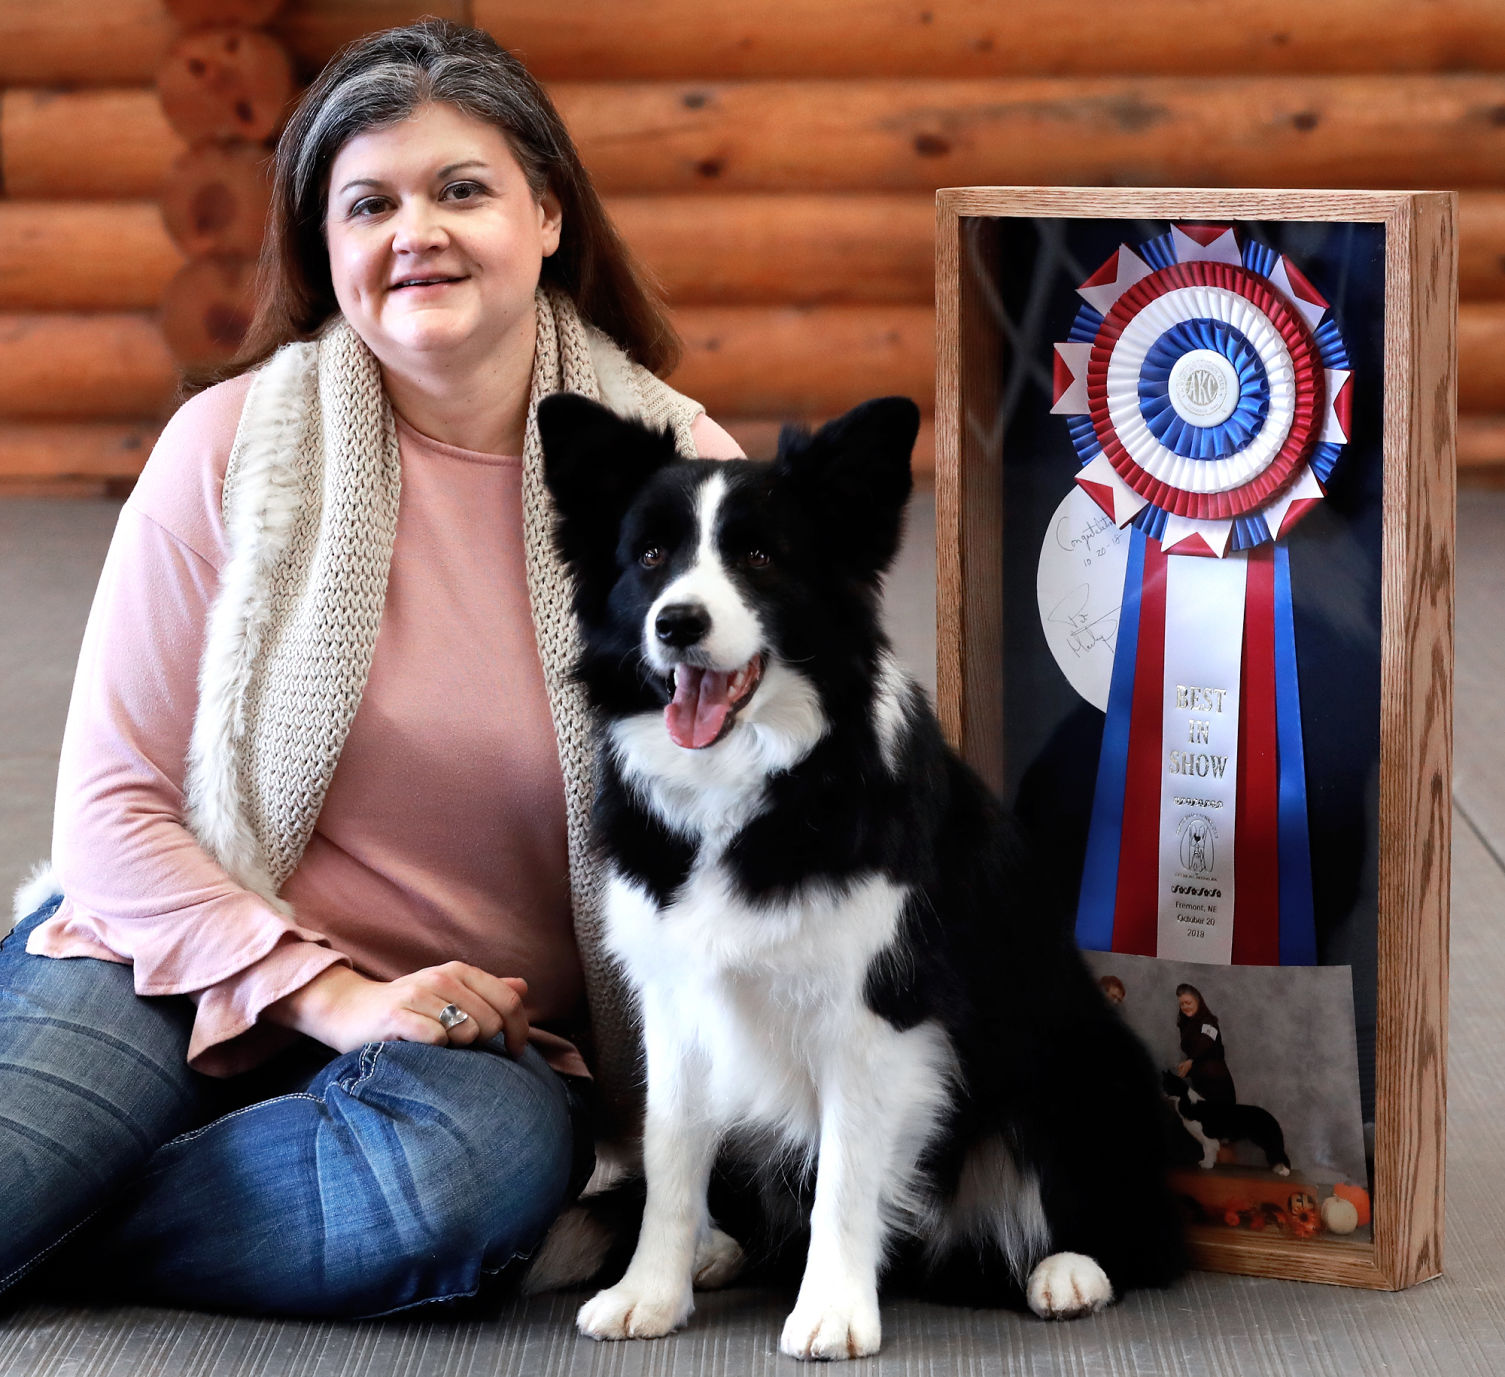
x=756 y=559
x=651 y=557
x=463 y=191
x=368 y=205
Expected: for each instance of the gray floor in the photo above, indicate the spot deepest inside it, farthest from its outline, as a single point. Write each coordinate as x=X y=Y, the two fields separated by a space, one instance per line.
x=1209 y=1324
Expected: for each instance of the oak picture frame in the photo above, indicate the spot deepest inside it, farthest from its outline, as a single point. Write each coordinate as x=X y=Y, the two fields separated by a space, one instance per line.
x=1415 y=651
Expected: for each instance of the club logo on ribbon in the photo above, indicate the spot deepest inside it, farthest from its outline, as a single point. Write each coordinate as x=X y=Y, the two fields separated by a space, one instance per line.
x=1207 y=392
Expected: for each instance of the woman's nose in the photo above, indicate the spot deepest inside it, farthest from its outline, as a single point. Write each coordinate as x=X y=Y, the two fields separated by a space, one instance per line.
x=419 y=227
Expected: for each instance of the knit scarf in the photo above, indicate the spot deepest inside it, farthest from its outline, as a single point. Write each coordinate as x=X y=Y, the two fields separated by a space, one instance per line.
x=310 y=507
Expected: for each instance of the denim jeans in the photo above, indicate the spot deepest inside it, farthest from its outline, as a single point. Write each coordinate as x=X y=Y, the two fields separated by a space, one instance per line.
x=321 y=1184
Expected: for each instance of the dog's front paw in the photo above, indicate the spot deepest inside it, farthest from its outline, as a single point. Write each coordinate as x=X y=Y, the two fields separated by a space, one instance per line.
x=718 y=1260
x=626 y=1311
x=1068 y=1285
x=828 y=1327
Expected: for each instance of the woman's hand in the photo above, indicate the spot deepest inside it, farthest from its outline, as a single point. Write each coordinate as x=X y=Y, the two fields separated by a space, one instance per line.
x=1183 y=1068
x=345 y=1010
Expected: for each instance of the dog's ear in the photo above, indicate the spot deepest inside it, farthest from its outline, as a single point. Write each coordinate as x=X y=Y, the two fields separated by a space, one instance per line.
x=854 y=474
x=595 y=463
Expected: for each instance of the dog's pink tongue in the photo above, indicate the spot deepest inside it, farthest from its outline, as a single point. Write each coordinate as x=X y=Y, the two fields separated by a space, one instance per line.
x=700 y=706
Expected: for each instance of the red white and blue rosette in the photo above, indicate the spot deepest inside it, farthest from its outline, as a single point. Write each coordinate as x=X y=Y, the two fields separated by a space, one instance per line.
x=1207 y=391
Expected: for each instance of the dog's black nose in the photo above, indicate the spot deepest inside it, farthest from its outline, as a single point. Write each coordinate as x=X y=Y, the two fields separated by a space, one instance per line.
x=681 y=624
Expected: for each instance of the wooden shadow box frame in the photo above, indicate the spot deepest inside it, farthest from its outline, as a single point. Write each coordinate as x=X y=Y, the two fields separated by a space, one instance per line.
x=1415 y=654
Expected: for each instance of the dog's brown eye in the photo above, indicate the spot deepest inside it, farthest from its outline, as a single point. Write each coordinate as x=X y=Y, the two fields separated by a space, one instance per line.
x=757 y=559
x=652 y=557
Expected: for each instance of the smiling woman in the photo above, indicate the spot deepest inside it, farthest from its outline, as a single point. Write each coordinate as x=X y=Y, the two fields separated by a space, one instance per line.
x=325 y=782
x=436 y=244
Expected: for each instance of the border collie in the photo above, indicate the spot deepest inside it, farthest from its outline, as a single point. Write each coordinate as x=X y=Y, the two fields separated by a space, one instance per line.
x=849 y=977
x=1211 y=1123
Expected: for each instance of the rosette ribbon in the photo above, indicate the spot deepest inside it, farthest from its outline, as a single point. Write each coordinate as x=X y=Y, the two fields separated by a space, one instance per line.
x=1207 y=391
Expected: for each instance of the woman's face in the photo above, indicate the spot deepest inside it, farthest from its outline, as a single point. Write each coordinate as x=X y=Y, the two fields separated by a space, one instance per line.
x=1188 y=1004
x=435 y=240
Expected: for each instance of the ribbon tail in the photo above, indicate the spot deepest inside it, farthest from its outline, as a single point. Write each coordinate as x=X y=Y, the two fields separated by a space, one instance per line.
x=1096 y=899
x=1298 y=928
x=1257 y=862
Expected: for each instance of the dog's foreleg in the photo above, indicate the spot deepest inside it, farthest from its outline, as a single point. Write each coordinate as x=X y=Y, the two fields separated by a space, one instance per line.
x=881 y=1093
x=655 y=1296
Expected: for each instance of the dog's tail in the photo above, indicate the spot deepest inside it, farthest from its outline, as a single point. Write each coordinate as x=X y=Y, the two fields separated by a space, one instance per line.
x=592 y=1241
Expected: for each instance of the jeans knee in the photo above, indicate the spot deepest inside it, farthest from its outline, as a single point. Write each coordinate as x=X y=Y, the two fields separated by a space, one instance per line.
x=471 y=1155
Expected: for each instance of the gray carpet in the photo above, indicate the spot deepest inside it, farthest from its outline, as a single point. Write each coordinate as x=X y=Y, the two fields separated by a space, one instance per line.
x=1209 y=1324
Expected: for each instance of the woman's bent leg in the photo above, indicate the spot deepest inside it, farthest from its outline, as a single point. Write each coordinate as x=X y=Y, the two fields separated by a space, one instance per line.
x=93 y=1080
x=398 y=1175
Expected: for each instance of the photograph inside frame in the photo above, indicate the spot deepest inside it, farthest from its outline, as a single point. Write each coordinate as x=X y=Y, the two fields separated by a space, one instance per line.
x=1190 y=441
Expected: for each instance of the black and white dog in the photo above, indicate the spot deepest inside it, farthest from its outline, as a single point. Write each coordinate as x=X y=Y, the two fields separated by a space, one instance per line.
x=848 y=976
x=1212 y=1123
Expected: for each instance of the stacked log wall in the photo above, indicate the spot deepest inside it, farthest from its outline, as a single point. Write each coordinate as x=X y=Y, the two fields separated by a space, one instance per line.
x=773 y=164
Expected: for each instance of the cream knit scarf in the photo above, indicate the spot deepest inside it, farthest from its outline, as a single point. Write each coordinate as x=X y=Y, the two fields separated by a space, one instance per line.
x=310 y=508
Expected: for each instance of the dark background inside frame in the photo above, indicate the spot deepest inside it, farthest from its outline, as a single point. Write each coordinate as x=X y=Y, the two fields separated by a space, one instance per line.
x=1027 y=271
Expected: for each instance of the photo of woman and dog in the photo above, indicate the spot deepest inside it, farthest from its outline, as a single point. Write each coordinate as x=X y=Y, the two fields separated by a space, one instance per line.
x=1259 y=1068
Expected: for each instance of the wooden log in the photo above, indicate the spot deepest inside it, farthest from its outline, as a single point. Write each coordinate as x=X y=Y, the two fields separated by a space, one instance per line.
x=207 y=14
x=814 y=361
x=734 y=250
x=226 y=84
x=73 y=450
x=51 y=144
x=314 y=30
x=72 y=256
x=582 y=39
x=810 y=136
x=740 y=361
x=1481 y=245
x=80 y=41
x=67 y=366
x=1481 y=357
x=918 y=134
x=206 y=309
x=759 y=438
x=216 y=198
x=788 y=248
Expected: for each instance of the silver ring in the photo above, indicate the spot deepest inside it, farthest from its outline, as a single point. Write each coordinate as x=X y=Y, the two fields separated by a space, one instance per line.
x=452 y=1016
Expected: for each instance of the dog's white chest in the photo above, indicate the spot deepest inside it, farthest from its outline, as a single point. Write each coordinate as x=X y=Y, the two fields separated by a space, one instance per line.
x=756 y=995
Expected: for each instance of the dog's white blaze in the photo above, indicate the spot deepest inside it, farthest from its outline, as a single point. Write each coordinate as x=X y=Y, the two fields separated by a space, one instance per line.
x=735 y=634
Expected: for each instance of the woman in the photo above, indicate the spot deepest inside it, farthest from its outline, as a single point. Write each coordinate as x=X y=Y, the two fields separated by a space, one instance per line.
x=1205 y=1066
x=356 y=1082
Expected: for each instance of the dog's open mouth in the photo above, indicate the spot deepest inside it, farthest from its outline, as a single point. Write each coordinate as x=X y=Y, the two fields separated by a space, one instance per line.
x=706 y=702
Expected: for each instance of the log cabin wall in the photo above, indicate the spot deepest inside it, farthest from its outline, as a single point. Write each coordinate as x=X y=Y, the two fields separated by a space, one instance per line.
x=773 y=163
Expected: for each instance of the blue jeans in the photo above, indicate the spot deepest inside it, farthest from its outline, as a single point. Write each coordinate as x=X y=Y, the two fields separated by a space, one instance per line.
x=353 y=1186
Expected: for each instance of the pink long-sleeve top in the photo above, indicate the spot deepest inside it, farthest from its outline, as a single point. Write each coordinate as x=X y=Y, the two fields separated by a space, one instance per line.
x=442 y=836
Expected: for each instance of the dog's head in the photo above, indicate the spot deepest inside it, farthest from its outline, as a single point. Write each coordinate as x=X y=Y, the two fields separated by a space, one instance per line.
x=697 y=583
x=1173 y=1085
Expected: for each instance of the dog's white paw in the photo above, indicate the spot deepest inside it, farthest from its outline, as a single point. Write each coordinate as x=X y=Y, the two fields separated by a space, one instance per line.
x=718 y=1260
x=1067 y=1285
x=827 y=1327
x=625 y=1311
x=1280 y=1169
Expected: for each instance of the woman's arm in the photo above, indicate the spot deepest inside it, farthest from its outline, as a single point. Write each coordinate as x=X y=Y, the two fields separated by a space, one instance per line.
x=138 y=886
